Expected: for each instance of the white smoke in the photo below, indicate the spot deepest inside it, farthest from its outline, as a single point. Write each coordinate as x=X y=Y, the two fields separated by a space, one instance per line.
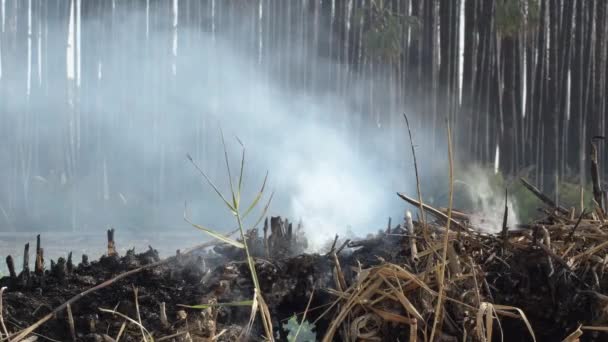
x=488 y=199
x=329 y=165
x=328 y=198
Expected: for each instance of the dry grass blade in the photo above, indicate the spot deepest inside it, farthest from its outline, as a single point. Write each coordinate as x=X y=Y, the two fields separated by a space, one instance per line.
x=392 y=270
x=216 y=337
x=391 y=316
x=4 y=330
x=595 y=328
x=574 y=336
x=522 y=316
x=34 y=334
x=414 y=331
x=446 y=237
x=254 y=311
x=591 y=251
x=407 y=305
x=122 y=329
x=135 y=292
x=295 y=338
x=484 y=322
x=359 y=294
x=266 y=317
x=71 y=323
x=113 y=312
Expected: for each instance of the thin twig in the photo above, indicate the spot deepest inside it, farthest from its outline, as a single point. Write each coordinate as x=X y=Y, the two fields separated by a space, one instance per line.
x=295 y=338
x=580 y=218
x=431 y=210
x=114 y=312
x=141 y=326
x=333 y=245
x=441 y=275
x=421 y=208
x=17 y=325
x=544 y=198
x=122 y=329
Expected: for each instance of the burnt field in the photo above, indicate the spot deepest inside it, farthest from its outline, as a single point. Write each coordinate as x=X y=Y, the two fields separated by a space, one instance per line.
x=100 y=101
x=543 y=281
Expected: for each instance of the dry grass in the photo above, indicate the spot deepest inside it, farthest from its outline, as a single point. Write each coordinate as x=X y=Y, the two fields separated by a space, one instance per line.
x=396 y=294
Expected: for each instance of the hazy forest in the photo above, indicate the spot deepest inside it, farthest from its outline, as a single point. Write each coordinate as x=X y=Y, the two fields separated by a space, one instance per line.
x=303 y=170
x=101 y=100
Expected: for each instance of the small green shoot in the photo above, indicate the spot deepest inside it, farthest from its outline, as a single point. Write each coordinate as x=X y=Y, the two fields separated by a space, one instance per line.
x=258 y=301
x=299 y=332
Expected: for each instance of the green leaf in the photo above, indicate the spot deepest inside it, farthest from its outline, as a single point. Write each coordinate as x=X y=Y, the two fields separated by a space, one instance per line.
x=217 y=191
x=240 y=186
x=205 y=306
x=263 y=214
x=235 y=204
x=257 y=198
x=218 y=235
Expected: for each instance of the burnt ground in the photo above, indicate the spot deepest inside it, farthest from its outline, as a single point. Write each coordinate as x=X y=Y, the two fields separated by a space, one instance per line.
x=202 y=276
x=555 y=300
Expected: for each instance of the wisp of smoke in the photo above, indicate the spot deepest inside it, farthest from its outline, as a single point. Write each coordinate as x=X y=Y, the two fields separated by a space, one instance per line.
x=488 y=202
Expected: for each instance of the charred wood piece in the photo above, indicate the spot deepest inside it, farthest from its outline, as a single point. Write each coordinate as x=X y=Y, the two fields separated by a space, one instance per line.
x=266 y=249
x=26 y=258
x=111 y=243
x=598 y=194
x=39 y=265
x=10 y=264
x=85 y=260
x=59 y=269
x=70 y=264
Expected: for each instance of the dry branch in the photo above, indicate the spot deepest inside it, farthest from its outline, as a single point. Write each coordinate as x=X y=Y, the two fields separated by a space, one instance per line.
x=544 y=198
x=438 y=214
